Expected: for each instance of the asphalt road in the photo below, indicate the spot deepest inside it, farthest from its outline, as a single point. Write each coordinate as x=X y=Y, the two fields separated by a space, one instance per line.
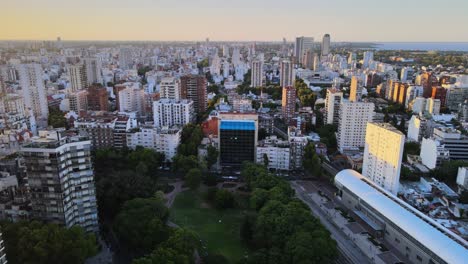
x=349 y=253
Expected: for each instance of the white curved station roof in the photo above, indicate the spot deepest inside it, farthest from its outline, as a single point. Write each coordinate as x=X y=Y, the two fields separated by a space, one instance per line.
x=419 y=226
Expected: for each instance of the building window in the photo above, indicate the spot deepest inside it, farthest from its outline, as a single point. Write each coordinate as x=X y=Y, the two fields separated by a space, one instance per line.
x=419 y=258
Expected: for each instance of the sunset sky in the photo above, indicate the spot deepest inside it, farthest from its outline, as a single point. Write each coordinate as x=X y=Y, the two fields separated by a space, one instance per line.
x=262 y=20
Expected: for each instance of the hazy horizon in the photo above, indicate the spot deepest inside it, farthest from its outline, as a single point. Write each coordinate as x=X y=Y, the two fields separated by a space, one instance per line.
x=241 y=20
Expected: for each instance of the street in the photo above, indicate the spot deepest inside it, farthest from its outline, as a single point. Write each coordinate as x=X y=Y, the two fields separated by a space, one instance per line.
x=349 y=252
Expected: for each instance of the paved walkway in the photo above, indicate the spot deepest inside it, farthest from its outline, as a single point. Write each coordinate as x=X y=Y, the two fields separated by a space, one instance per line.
x=103 y=257
x=170 y=197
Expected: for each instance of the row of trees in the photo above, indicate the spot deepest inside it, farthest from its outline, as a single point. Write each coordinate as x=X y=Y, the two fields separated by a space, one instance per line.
x=275 y=91
x=281 y=229
x=36 y=242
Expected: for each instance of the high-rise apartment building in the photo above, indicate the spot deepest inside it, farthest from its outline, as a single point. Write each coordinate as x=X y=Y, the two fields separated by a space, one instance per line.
x=125 y=58
x=193 y=87
x=355 y=92
x=92 y=69
x=170 y=112
x=367 y=58
x=440 y=93
x=78 y=101
x=77 y=76
x=433 y=106
x=226 y=51
x=352 y=125
x=412 y=93
x=61 y=179
x=3 y=259
x=427 y=80
x=308 y=59
x=170 y=88
x=132 y=99
x=297 y=144
x=99 y=129
x=288 y=103
x=284 y=48
x=326 y=45
x=407 y=74
x=463 y=111
x=287 y=75
x=383 y=153
x=302 y=45
x=98 y=100
x=257 y=73
x=332 y=106
x=33 y=89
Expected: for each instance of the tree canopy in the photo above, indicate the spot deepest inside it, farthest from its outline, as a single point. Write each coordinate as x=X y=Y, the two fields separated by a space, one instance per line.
x=283 y=229
x=56 y=118
x=122 y=175
x=141 y=224
x=38 y=243
x=178 y=249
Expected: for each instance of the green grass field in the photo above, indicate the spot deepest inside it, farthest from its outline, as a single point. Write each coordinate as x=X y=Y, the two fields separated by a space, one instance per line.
x=218 y=230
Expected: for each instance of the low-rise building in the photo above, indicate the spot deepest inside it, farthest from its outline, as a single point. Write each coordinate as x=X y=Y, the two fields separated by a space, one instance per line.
x=273 y=152
x=413 y=234
x=164 y=140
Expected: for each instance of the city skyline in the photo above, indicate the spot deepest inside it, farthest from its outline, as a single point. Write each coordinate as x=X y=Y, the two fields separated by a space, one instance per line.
x=183 y=20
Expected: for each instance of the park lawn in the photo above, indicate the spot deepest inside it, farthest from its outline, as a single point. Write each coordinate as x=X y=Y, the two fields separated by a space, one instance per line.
x=190 y=211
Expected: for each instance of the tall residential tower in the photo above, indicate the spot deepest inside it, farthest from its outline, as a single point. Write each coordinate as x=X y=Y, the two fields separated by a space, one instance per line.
x=61 y=178
x=382 y=155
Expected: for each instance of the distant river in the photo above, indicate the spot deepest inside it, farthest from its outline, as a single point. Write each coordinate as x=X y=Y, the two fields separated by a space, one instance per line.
x=444 y=46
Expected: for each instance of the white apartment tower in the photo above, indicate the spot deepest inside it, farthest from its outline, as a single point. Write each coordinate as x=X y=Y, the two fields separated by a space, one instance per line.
x=164 y=140
x=225 y=51
x=287 y=75
x=125 y=58
x=352 y=125
x=34 y=90
x=61 y=178
x=433 y=106
x=170 y=88
x=257 y=73
x=332 y=105
x=367 y=58
x=412 y=93
x=132 y=99
x=383 y=153
x=170 y=112
x=326 y=45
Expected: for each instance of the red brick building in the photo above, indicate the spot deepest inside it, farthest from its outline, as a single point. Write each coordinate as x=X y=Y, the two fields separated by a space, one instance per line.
x=98 y=98
x=193 y=87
